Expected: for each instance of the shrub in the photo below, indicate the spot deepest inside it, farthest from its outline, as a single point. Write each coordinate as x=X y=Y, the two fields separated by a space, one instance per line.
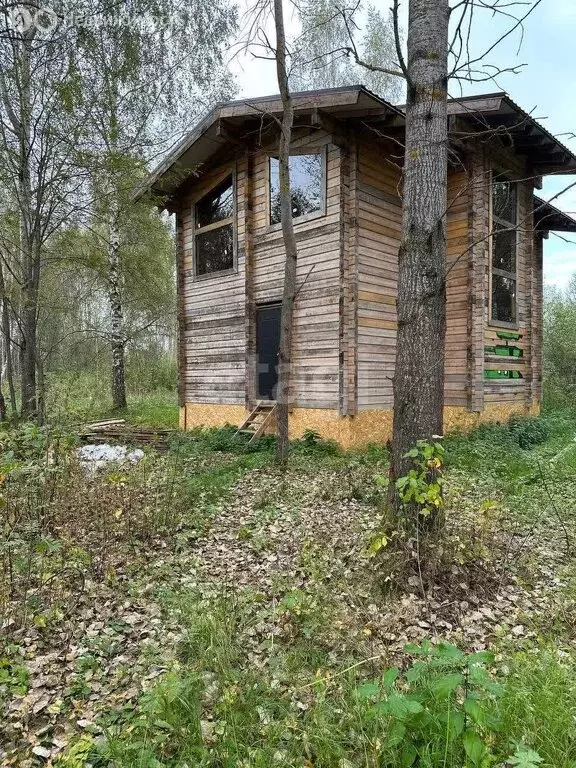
x=222 y=439
x=528 y=432
x=312 y=443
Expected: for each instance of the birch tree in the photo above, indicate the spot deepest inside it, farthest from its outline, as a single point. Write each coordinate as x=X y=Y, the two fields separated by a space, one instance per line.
x=140 y=80
x=324 y=56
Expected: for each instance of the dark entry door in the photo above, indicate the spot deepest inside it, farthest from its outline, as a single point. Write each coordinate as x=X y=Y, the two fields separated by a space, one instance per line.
x=267 y=344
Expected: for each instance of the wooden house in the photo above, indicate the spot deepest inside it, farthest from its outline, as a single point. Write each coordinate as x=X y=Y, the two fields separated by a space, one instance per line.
x=346 y=164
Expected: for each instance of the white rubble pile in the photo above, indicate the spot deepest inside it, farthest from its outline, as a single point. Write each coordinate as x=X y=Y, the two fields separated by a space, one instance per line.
x=95 y=457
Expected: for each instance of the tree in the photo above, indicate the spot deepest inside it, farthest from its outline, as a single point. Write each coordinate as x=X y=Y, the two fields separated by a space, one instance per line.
x=139 y=80
x=290 y=247
x=325 y=58
x=39 y=130
x=421 y=304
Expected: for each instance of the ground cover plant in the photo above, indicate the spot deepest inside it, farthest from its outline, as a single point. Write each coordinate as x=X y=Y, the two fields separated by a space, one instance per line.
x=203 y=607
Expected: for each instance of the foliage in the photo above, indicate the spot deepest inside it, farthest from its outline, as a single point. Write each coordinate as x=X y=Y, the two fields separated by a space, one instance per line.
x=446 y=708
x=528 y=432
x=422 y=485
x=321 y=51
x=560 y=346
x=223 y=439
x=312 y=443
x=539 y=704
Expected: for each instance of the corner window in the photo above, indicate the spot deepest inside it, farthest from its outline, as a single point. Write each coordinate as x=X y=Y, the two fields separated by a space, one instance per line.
x=504 y=245
x=306 y=183
x=214 y=230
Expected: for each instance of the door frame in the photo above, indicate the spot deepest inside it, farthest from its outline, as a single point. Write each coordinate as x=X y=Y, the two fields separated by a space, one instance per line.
x=255 y=373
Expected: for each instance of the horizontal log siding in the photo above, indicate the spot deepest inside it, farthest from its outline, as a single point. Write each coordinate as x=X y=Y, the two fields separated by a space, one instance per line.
x=378 y=239
x=456 y=388
x=315 y=380
x=379 y=231
x=214 y=309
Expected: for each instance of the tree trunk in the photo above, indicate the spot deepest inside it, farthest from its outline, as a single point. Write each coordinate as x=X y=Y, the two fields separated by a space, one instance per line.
x=29 y=246
x=7 y=343
x=289 y=292
x=419 y=372
x=118 y=344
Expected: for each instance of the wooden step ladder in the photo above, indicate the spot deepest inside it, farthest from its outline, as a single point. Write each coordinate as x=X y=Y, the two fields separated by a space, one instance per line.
x=258 y=420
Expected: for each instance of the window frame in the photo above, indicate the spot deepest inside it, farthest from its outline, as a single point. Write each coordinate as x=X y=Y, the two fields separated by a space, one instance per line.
x=502 y=272
x=230 y=220
x=296 y=151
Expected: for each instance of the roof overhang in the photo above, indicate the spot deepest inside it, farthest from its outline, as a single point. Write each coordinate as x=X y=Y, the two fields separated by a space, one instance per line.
x=235 y=123
x=231 y=122
x=497 y=112
x=548 y=218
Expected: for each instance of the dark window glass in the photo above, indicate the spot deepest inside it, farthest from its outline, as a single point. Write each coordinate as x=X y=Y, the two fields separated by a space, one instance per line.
x=218 y=204
x=503 y=299
x=504 y=250
x=306 y=183
x=504 y=200
x=504 y=239
x=215 y=250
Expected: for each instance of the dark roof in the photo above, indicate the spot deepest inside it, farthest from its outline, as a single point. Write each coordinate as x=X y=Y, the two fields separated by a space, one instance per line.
x=224 y=124
x=549 y=218
x=213 y=131
x=497 y=111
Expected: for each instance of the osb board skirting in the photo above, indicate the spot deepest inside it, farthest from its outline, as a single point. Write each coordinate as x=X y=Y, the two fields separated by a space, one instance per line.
x=210 y=415
x=374 y=426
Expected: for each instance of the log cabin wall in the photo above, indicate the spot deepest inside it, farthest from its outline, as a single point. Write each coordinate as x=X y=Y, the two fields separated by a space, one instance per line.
x=345 y=317
x=378 y=241
x=379 y=232
x=213 y=347
x=514 y=394
x=315 y=379
x=217 y=354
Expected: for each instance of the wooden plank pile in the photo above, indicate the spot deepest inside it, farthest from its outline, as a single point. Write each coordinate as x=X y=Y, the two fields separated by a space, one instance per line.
x=118 y=430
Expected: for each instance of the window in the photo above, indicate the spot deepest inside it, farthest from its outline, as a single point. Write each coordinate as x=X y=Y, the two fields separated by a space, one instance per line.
x=306 y=183
x=214 y=230
x=504 y=221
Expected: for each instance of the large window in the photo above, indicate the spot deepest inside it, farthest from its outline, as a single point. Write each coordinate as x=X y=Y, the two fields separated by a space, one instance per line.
x=504 y=222
x=306 y=184
x=214 y=230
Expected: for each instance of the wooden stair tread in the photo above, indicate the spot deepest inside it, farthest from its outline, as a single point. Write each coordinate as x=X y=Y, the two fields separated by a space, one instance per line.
x=257 y=420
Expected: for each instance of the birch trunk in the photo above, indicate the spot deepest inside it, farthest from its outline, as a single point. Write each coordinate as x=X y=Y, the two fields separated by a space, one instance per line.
x=419 y=372
x=289 y=290
x=117 y=340
x=7 y=343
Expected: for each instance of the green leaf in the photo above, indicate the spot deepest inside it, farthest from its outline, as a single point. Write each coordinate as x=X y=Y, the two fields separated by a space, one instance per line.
x=395 y=735
x=408 y=755
x=524 y=757
x=474 y=711
x=447 y=651
x=418 y=650
x=368 y=690
x=390 y=676
x=398 y=706
x=481 y=657
x=447 y=684
x=474 y=747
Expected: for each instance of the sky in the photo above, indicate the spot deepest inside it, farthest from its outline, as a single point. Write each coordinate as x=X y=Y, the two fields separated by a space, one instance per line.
x=545 y=87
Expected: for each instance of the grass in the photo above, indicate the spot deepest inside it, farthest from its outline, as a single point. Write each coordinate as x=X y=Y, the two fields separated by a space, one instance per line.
x=261 y=682
x=280 y=672
x=86 y=397
x=445 y=710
